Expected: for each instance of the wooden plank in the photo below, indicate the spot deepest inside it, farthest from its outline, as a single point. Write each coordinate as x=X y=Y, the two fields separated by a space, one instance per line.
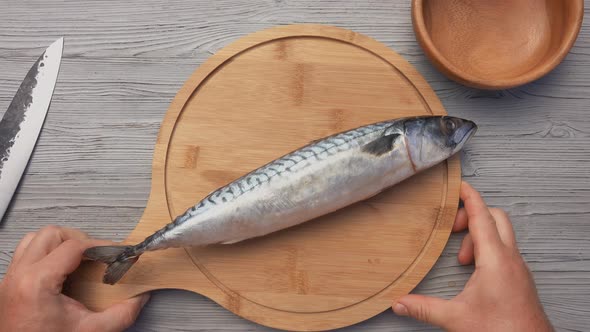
x=124 y=62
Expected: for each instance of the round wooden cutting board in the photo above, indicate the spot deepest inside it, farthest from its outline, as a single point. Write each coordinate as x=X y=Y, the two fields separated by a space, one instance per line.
x=255 y=100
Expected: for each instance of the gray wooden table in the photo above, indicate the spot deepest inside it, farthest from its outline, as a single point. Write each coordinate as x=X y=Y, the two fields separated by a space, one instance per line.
x=125 y=60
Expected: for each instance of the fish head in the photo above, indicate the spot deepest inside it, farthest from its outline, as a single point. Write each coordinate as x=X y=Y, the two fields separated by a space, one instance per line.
x=433 y=139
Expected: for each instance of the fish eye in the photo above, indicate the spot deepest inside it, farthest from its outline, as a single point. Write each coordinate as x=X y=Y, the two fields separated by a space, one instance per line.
x=450 y=125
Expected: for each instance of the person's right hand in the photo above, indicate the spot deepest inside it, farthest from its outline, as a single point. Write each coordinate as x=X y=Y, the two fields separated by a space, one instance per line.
x=501 y=293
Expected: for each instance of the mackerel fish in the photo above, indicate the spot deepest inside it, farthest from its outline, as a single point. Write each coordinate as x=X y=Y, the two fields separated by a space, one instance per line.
x=319 y=178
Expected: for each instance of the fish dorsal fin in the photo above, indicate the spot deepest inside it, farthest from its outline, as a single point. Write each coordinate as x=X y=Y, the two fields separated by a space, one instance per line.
x=381 y=145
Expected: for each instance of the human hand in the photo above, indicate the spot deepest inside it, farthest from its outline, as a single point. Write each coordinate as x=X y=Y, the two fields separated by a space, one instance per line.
x=30 y=293
x=501 y=293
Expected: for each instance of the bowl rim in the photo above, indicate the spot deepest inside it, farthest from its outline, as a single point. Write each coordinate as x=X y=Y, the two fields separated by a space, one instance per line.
x=466 y=78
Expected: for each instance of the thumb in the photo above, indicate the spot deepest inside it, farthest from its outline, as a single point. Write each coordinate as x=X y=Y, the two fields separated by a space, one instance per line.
x=428 y=309
x=119 y=316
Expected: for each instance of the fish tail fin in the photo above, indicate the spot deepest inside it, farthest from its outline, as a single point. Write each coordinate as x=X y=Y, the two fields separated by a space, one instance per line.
x=118 y=258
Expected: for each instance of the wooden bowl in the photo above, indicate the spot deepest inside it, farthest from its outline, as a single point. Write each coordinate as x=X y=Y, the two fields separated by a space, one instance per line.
x=496 y=44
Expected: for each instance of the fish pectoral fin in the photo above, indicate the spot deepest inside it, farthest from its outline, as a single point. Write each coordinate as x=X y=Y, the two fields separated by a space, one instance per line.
x=381 y=145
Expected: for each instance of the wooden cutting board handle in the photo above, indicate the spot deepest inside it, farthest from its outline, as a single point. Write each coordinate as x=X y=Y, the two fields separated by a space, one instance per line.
x=260 y=97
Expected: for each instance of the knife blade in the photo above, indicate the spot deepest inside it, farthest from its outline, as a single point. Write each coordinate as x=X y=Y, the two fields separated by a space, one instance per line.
x=21 y=124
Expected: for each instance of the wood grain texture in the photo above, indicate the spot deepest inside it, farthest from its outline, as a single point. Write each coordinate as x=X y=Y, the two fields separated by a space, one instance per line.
x=125 y=61
x=293 y=84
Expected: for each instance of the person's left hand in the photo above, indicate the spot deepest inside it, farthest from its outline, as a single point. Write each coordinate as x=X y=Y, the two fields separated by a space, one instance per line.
x=31 y=296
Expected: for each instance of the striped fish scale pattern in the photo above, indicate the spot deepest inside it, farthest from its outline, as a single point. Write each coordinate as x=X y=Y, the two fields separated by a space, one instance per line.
x=292 y=162
x=289 y=163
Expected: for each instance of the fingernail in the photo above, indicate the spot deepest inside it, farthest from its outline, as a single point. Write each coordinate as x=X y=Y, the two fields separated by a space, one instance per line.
x=400 y=309
x=144 y=299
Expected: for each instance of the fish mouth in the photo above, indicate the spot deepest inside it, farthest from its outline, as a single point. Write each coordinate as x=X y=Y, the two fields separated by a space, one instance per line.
x=464 y=133
x=470 y=131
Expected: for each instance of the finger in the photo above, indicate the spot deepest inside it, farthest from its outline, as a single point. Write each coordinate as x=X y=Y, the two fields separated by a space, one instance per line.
x=62 y=261
x=504 y=227
x=427 y=309
x=46 y=240
x=481 y=224
x=460 y=221
x=118 y=317
x=66 y=258
x=466 y=252
x=20 y=248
